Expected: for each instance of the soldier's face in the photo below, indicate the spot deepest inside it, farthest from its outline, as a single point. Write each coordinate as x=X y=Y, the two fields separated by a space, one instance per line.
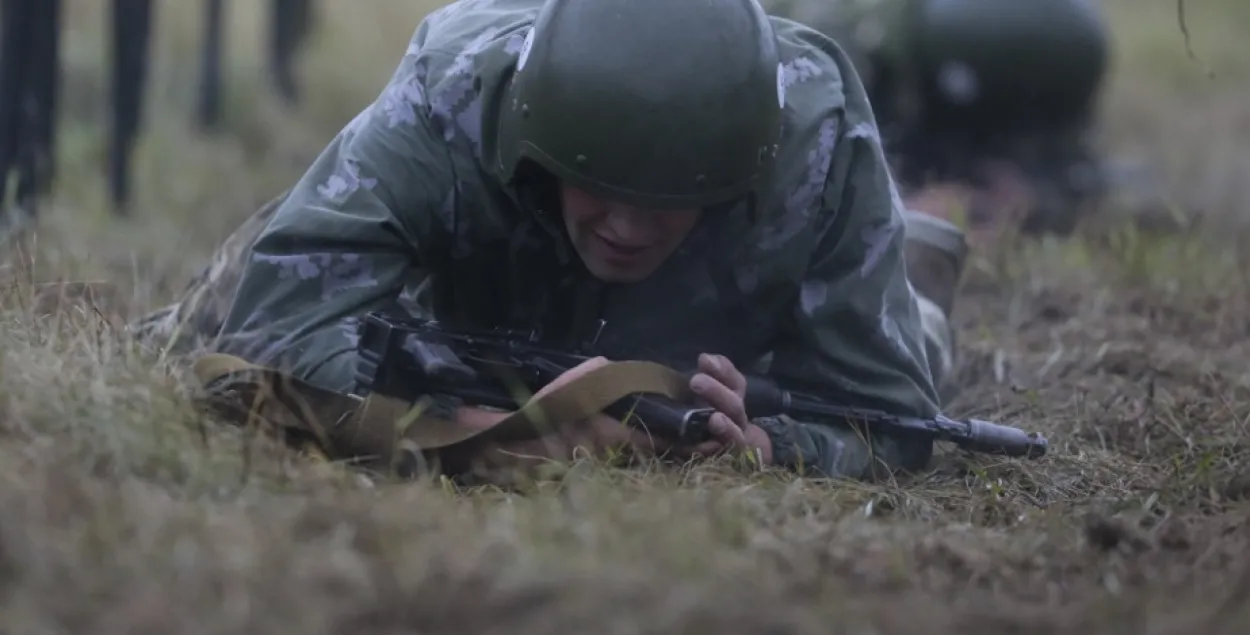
x=619 y=242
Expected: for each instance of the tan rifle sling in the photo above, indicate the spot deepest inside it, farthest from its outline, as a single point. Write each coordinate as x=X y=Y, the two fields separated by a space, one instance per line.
x=384 y=431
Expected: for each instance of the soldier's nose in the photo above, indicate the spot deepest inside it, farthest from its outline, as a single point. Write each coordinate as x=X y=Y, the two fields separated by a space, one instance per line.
x=629 y=225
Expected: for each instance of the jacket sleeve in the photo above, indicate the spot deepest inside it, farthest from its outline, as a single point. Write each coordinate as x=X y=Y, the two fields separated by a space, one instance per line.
x=855 y=330
x=373 y=209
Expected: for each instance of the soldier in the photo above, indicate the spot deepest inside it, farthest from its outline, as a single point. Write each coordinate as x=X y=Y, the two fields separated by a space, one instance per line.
x=616 y=169
x=986 y=107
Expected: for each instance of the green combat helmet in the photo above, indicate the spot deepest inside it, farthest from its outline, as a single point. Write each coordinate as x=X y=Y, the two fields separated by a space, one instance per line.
x=1017 y=80
x=1038 y=61
x=954 y=81
x=654 y=103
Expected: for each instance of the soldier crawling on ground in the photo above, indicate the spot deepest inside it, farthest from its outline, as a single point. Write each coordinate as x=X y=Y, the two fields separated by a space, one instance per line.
x=986 y=108
x=561 y=167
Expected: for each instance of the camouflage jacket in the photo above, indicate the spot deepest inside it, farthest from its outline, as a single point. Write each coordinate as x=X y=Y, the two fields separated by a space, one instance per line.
x=401 y=211
x=866 y=30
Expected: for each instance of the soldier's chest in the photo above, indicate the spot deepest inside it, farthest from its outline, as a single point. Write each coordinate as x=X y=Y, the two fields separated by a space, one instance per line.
x=695 y=303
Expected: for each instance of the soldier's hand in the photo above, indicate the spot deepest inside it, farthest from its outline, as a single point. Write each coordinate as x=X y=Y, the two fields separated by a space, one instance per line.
x=720 y=386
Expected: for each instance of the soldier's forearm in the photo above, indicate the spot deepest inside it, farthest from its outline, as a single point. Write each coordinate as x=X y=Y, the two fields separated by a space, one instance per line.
x=825 y=451
x=799 y=447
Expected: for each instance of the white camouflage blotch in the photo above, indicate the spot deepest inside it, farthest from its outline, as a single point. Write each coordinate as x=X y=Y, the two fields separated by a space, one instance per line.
x=888 y=327
x=864 y=130
x=343 y=272
x=401 y=100
x=463 y=64
x=345 y=181
x=336 y=272
x=457 y=106
x=799 y=70
x=877 y=240
x=802 y=200
x=813 y=295
x=301 y=266
x=350 y=327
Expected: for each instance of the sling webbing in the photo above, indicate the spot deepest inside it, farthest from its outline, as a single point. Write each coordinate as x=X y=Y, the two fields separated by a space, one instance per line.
x=383 y=430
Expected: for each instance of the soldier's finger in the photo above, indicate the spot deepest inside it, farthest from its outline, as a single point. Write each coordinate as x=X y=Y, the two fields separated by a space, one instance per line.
x=733 y=378
x=725 y=432
x=720 y=398
x=724 y=371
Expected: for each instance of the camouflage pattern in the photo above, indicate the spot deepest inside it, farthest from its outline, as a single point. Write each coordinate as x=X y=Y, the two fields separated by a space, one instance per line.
x=190 y=323
x=866 y=30
x=404 y=211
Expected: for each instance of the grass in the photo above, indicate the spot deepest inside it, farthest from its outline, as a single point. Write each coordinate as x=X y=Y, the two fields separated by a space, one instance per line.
x=125 y=511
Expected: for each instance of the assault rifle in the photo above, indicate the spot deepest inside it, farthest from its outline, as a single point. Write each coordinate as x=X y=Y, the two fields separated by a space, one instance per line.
x=406 y=358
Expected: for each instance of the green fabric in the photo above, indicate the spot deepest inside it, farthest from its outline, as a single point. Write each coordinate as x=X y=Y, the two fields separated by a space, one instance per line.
x=650 y=112
x=404 y=210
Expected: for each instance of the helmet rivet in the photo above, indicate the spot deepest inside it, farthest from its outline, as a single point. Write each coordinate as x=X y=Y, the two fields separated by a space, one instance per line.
x=525 y=110
x=581 y=159
x=700 y=178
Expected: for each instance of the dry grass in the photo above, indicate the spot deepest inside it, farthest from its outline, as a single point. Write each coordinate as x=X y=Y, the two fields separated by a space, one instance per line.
x=126 y=512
